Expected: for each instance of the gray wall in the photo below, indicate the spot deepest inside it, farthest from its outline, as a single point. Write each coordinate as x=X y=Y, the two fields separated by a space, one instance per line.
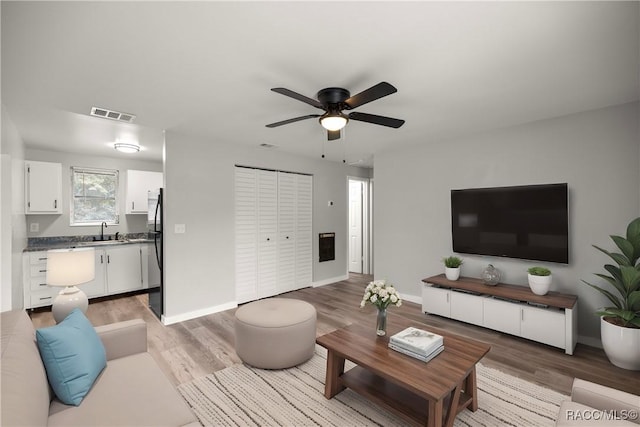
x=58 y=225
x=13 y=235
x=199 y=181
x=595 y=152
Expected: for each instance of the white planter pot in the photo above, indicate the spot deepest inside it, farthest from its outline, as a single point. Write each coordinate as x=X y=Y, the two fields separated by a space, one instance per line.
x=622 y=345
x=452 y=273
x=539 y=284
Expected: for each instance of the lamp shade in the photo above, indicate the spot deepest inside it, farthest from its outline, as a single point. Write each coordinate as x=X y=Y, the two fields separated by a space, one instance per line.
x=70 y=267
x=333 y=122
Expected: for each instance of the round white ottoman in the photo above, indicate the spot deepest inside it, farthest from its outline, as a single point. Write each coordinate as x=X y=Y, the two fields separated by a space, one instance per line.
x=275 y=333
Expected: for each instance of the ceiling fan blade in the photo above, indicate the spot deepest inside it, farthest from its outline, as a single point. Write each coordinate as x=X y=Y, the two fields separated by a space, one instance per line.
x=332 y=135
x=376 y=120
x=295 y=119
x=375 y=92
x=295 y=95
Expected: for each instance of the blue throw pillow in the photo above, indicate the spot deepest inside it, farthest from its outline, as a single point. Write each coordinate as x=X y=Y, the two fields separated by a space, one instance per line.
x=73 y=356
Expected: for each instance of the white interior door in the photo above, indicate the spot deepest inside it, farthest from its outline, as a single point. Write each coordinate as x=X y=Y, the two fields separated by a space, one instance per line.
x=355 y=226
x=267 y=233
x=246 y=228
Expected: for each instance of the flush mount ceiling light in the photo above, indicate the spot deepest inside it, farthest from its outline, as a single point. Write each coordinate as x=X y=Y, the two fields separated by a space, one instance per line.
x=126 y=147
x=333 y=121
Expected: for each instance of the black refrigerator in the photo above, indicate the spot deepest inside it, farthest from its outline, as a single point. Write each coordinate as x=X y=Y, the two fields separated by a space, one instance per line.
x=155 y=262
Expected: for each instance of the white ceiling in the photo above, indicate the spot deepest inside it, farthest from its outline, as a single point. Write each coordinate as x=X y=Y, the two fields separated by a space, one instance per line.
x=205 y=69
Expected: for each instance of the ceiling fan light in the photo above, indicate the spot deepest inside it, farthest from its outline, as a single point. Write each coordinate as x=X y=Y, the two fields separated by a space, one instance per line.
x=333 y=121
x=126 y=147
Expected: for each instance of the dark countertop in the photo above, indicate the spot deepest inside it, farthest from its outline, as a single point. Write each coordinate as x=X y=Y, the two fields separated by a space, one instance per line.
x=64 y=242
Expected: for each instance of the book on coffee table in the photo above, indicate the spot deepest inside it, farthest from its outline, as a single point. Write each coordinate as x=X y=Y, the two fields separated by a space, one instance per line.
x=417 y=341
x=419 y=356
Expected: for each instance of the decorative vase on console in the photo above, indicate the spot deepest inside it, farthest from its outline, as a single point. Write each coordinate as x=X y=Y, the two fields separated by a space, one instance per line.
x=452 y=267
x=382 y=295
x=491 y=275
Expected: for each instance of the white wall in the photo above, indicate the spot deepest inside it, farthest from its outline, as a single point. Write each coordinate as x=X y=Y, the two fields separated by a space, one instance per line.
x=595 y=152
x=58 y=225
x=199 y=181
x=12 y=221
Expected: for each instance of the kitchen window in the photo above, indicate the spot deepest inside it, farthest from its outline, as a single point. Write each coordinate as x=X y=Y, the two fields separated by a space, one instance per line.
x=94 y=196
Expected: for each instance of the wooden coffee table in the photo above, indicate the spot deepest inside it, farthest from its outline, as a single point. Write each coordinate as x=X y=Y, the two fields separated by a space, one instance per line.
x=427 y=394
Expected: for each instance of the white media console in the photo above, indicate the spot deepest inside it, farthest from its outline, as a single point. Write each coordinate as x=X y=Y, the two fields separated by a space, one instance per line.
x=550 y=319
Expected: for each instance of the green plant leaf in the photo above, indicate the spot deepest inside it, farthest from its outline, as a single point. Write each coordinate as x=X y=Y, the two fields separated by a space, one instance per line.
x=633 y=236
x=630 y=279
x=618 y=258
x=615 y=300
x=635 y=322
x=617 y=284
x=614 y=271
x=633 y=301
x=625 y=246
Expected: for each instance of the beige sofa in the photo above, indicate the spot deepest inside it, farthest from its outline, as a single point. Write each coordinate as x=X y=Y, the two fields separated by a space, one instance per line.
x=131 y=390
x=596 y=405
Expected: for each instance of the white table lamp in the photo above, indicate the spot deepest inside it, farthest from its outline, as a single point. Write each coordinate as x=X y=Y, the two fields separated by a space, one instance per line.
x=68 y=268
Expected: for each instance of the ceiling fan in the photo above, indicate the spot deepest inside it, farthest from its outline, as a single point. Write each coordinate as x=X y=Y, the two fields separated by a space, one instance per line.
x=335 y=99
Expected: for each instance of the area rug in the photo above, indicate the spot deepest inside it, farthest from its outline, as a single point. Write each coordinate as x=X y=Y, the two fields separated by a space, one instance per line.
x=245 y=396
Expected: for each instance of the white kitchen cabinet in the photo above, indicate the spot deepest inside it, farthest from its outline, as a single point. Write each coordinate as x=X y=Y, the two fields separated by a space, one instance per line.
x=119 y=269
x=138 y=185
x=96 y=287
x=273 y=228
x=124 y=268
x=43 y=188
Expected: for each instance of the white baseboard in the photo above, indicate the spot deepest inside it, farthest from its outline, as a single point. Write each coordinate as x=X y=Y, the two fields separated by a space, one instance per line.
x=590 y=341
x=412 y=298
x=329 y=281
x=170 y=320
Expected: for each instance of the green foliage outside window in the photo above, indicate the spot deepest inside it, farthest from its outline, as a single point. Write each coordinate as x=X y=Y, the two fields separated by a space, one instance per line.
x=94 y=196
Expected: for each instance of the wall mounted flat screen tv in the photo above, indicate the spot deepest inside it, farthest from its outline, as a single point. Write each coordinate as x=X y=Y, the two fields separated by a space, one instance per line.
x=527 y=222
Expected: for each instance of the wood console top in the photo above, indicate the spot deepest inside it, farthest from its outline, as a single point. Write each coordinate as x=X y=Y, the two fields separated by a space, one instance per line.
x=503 y=290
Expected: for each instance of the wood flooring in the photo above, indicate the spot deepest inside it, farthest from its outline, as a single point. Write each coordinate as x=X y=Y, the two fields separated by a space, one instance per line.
x=197 y=347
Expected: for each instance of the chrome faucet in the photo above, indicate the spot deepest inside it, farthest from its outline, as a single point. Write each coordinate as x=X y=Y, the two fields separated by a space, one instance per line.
x=102 y=227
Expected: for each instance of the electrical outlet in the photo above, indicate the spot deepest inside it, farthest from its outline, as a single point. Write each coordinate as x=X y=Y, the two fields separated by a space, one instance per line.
x=34 y=227
x=180 y=228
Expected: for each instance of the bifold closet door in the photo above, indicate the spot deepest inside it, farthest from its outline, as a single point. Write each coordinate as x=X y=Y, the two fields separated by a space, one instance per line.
x=246 y=224
x=303 y=229
x=286 y=232
x=267 y=197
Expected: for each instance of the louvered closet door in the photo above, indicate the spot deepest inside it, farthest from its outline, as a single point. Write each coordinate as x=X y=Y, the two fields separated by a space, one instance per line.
x=267 y=232
x=246 y=213
x=286 y=232
x=303 y=227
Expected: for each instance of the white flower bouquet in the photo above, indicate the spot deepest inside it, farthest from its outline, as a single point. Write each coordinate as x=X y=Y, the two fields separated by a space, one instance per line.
x=380 y=294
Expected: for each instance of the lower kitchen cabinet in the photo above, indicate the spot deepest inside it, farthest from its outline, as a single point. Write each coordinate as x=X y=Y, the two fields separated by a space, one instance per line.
x=119 y=269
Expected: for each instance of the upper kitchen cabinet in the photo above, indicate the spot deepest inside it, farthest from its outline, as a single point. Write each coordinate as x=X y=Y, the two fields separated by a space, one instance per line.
x=138 y=185
x=43 y=187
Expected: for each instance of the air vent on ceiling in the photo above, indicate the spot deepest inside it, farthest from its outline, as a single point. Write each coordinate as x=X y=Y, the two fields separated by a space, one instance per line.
x=113 y=115
x=265 y=145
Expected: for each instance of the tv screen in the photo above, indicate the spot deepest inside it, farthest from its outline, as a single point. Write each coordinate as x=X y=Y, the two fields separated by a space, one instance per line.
x=527 y=222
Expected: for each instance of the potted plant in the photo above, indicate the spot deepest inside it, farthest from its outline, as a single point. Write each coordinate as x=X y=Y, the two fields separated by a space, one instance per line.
x=452 y=267
x=539 y=280
x=620 y=323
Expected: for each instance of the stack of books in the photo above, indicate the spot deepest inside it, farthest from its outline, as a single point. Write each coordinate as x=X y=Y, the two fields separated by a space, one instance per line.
x=422 y=345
